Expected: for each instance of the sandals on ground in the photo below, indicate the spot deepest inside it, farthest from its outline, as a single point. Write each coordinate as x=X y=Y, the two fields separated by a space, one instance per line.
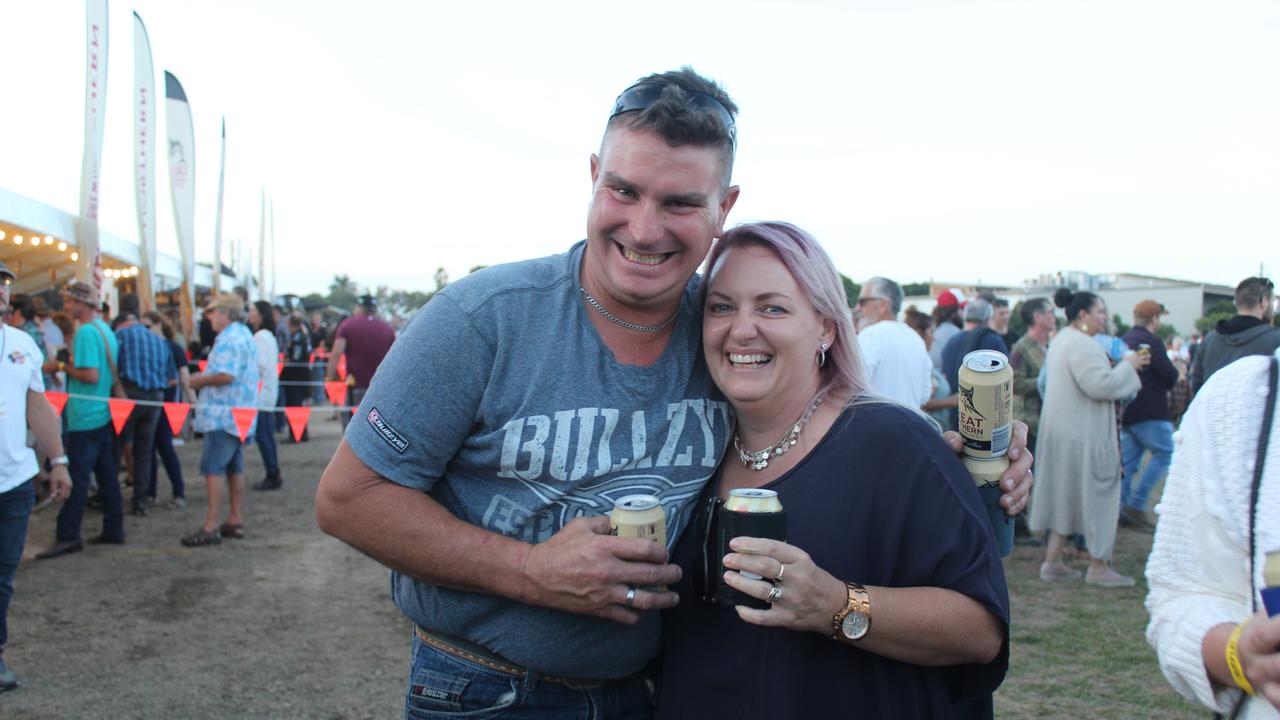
x=200 y=538
x=229 y=530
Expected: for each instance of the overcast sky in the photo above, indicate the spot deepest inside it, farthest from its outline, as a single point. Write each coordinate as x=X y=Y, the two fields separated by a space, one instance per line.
x=954 y=140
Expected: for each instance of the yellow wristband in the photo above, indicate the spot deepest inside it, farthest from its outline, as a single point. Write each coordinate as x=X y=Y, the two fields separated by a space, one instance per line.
x=61 y=366
x=1233 y=660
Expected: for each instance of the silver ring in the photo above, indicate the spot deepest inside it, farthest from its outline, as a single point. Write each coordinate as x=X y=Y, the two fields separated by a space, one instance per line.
x=774 y=595
x=631 y=597
x=781 y=569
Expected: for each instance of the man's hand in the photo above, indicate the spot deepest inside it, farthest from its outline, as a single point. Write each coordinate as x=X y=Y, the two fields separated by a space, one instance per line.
x=583 y=569
x=1016 y=482
x=59 y=483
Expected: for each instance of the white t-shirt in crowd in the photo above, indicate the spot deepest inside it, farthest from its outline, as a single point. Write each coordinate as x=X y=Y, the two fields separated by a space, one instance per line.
x=19 y=373
x=897 y=363
x=268 y=356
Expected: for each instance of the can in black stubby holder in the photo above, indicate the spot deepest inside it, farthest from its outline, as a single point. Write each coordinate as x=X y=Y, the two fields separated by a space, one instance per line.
x=749 y=512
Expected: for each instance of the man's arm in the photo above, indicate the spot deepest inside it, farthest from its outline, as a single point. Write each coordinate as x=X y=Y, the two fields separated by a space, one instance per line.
x=204 y=380
x=331 y=370
x=581 y=569
x=44 y=422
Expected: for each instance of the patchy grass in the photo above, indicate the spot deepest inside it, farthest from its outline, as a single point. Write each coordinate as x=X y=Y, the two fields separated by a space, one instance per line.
x=1080 y=651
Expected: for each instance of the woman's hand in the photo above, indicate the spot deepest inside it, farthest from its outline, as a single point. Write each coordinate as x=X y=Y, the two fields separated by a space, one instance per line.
x=1138 y=360
x=1016 y=482
x=1259 y=657
x=809 y=596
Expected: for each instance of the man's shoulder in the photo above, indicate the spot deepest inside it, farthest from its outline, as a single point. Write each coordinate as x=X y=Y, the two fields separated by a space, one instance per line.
x=20 y=341
x=521 y=281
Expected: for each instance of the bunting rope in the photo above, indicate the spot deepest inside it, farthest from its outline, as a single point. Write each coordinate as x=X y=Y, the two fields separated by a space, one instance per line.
x=161 y=403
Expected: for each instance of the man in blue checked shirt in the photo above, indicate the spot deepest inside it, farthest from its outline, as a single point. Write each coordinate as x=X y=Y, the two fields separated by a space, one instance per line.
x=146 y=367
x=230 y=380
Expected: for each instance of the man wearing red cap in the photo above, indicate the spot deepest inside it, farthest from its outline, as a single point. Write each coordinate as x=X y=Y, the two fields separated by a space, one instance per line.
x=946 y=322
x=1147 y=425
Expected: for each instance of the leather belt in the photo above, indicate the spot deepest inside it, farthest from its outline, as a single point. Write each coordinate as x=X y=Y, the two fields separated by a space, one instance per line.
x=478 y=655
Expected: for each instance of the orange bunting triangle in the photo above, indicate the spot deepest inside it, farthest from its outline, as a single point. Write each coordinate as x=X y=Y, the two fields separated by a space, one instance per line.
x=244 y=420
x=176 y=412
x=342 y=366
x=279 y=368
x=120 y=411
x=57 y=399
x=297 y=417
x=337 y=392
x=259 y=387
x=202 y=364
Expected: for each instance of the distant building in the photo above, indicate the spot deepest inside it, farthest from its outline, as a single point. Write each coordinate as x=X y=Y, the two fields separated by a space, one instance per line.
x=1186 y=300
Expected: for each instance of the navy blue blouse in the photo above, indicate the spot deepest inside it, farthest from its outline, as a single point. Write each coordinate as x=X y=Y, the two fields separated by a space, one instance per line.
x=881 y=501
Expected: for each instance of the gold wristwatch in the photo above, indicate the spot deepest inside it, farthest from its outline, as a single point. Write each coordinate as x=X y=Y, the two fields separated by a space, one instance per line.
x=853 y=621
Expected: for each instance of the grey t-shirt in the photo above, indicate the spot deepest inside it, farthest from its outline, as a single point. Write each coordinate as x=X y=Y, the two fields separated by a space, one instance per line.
x=501 y=401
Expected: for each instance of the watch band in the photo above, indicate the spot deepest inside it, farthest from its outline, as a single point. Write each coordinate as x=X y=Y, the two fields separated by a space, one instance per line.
x=858 y=601
x=60 y=460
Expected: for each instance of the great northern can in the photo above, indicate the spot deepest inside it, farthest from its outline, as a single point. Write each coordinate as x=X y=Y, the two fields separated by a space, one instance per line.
x=639 y=516
x=986 y=404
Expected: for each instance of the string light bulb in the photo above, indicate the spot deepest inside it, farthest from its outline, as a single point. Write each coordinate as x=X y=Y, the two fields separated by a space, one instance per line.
x=62 y=247
x=75 y=256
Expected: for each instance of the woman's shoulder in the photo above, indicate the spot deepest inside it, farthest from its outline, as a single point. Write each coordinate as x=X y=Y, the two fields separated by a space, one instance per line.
x=886 y=426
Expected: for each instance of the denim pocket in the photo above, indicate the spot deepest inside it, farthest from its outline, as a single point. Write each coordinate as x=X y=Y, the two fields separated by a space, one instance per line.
x=441 y=686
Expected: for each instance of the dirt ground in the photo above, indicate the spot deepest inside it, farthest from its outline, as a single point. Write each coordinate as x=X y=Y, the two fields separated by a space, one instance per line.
x=287 y=623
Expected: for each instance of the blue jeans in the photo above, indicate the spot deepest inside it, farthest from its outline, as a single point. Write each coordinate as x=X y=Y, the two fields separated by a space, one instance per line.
x=221 y=454
x=92 y=452
x=142 y=427
x=265 y=436
x=1155 y=436
x=15 y=508
x=172 y=466
x=442 y=686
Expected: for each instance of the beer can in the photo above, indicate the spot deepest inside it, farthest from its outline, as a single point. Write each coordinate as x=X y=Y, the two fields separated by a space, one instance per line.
x=986 y=403
x=749 y=512
x=986 y=475
x=639 y=516
x=986 y=472
x=753 y=500
x=1144 y=348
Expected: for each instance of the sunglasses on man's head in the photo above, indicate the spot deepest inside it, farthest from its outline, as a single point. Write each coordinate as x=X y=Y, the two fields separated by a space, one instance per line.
x=641 y=95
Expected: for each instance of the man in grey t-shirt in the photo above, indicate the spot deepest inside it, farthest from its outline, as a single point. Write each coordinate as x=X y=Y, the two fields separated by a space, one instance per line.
x=522 y=401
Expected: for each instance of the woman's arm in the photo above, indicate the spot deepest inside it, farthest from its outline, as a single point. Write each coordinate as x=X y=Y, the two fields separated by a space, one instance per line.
x=1097 y=379
x=928 y=626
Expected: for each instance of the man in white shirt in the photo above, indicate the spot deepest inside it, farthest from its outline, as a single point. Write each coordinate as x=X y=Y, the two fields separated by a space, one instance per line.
x=22 y=406
x=895 y=356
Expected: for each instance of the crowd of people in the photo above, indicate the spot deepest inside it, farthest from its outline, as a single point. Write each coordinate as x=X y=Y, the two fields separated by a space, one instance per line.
x=489 y=445
x=138 y=357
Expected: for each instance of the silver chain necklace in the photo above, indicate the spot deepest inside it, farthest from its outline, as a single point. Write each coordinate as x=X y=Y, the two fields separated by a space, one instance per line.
x=624 y=323
x=760 y=460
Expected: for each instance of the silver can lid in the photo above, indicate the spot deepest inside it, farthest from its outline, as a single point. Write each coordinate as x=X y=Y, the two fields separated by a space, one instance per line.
x=636 y=502
x=754 y=493
x=985 y=361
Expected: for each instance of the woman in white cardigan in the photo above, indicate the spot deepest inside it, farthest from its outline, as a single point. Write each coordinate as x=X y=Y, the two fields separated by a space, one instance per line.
x=1077 y=486
x=1198 y=570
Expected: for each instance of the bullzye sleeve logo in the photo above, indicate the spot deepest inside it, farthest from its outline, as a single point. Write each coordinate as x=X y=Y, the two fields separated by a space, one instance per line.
x=393 y=437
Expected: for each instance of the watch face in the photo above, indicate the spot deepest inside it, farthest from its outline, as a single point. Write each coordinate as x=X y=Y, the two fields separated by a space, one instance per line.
x=854 y=626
